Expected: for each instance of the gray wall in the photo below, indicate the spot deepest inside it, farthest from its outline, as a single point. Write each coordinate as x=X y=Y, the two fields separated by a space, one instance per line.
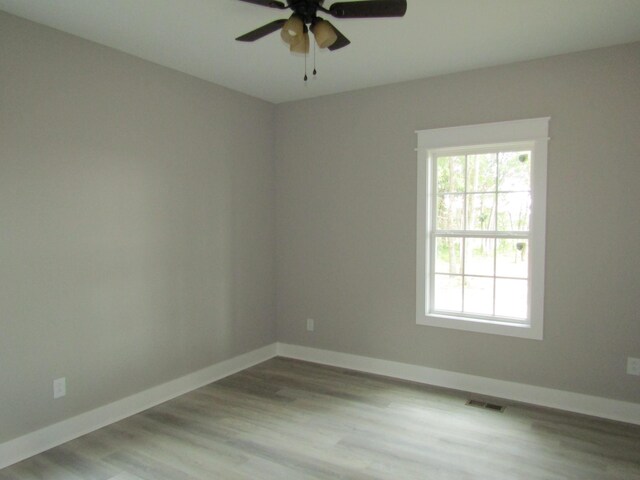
x=346 y=206
x=137 y=230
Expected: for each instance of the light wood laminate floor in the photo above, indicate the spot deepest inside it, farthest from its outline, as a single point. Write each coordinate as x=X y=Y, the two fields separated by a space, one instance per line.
x=286 y=419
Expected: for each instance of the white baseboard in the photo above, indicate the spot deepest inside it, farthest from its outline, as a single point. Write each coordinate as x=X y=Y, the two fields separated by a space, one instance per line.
x=33 y=443
x=546 y=397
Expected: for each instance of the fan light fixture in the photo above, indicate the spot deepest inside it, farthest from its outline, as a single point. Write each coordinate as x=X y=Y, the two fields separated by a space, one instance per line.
x=324 y=33
x=301 y=46
x=292 y=30
x=295 y=34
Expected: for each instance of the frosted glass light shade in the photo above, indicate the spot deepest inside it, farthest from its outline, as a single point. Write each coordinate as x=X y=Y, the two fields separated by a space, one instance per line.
x=292 y=30
x=302 y=46
x=325 y=35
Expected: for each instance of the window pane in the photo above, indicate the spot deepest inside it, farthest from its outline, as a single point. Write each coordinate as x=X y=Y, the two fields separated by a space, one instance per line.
x=448 y=255
x=480 y=211
x=481 y=173
x=451 y=174
x=478 y=295
x=478 y=256
x=514 y=171
x=450 y=212
x=513 y=211
x=511 y=298
x=448 y=293
x=512 y=258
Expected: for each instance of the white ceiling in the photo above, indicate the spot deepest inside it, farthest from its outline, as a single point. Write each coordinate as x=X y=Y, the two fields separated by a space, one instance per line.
x=435 y=37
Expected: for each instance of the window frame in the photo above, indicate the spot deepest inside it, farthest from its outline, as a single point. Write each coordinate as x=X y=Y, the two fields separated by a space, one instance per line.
x=533 y=133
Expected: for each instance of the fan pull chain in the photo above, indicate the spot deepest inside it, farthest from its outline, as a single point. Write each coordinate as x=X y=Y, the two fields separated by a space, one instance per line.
x=305 y=66
x=314 y=59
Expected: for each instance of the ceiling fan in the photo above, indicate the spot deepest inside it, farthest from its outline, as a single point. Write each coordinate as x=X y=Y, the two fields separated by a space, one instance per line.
x=295 y=29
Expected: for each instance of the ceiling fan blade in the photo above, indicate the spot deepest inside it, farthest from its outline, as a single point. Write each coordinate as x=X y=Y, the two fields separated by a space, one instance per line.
x=341 y=42
x=267 y=3
x=369 y=9
x=263 y=31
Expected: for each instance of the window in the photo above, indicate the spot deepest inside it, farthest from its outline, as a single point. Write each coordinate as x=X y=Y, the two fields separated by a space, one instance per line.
x=481 y=227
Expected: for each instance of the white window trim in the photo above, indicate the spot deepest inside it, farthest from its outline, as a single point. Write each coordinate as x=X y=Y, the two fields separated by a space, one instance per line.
x=534 y=131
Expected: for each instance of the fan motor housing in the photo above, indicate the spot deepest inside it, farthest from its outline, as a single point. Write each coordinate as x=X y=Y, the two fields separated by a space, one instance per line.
x=306 y=9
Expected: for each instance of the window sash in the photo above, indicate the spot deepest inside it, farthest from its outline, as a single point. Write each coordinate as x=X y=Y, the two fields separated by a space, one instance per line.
x=430 y=300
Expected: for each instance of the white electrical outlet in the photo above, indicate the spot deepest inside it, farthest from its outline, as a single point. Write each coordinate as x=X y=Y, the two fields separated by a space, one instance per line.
x=633 y=366
x=310 y=325
x=59 y=387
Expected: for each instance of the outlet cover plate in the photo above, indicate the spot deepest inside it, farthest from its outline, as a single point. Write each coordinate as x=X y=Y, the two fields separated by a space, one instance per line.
x=633 y=366
x=59 y=387
x=310 y=324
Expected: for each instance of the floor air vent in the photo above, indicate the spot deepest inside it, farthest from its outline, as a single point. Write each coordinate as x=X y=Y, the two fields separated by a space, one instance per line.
x=489 y=406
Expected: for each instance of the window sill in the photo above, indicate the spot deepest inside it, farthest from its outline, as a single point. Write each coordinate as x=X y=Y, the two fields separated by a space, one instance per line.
x=482 y=326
